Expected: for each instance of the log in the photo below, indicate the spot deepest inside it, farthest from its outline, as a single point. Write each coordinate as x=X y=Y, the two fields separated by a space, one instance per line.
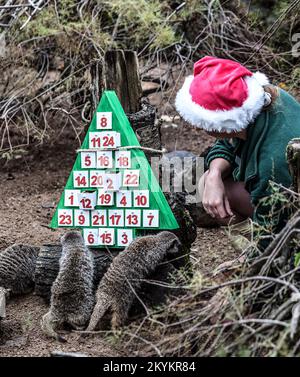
x=2 y=303
x=67 y=354
x=47 y=267
x=293 y=159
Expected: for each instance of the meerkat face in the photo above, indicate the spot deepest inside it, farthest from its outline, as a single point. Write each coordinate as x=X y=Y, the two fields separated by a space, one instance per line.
x=170 y=240
x=72 y=237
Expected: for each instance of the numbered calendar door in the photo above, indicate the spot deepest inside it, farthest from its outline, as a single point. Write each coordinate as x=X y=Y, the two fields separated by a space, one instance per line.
x=112 y=181
x=104 y=120
x=87 y=200
x=150 y=218
x=106 y=236
x=97 y=178
x=116 y=217
x=104 y=160
x=65 y=217
x=91 y=237
x=71 y=198
x=124 y=237
x=88 y=160
x=110 y=139
x=124 y=198
x=99 y=217
x=81 y=179
x=131 y=178
x=141 y=198
x=105 y=198
x=95 y=140
x=123 y=159
x=133 y=218
x=81 y=218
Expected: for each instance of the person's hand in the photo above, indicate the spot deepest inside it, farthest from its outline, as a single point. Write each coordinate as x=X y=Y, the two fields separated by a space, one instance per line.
x=215 y=201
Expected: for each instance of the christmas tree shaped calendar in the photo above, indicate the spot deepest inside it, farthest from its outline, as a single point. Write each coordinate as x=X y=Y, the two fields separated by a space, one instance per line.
x=112 y=192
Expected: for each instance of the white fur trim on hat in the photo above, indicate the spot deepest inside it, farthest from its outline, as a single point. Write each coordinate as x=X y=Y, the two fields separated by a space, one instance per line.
x=235 y=119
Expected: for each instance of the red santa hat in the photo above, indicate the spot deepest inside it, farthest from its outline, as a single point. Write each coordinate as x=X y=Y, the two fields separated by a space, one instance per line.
x=222 y=95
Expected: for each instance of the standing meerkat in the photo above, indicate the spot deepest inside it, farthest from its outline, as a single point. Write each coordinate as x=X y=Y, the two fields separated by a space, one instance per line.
x=116 y=290
x=17 y=267
x=72 y=297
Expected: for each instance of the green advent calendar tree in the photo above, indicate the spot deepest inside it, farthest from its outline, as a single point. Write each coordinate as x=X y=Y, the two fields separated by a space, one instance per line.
x=112 y=193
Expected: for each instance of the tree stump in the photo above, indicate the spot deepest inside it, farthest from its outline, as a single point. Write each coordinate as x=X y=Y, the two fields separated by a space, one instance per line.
x=120 y=72
x=293 y=159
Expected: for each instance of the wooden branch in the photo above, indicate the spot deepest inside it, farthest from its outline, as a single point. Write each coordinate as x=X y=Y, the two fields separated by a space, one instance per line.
x=293 y=159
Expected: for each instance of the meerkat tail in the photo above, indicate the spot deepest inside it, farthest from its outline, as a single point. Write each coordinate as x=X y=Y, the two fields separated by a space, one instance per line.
x=47 y=328
x=100 y=309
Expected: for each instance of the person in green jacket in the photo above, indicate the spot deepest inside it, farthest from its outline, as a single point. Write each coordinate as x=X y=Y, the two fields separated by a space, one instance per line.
x=253 y=122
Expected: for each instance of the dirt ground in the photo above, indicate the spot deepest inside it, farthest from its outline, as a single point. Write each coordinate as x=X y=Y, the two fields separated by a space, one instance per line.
x=30 y=190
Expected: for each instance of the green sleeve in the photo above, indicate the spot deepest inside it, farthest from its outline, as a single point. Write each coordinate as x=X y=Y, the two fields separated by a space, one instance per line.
x=221 y=149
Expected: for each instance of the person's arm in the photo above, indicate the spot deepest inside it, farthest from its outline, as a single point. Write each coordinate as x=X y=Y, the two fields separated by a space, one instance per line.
x=215 y=201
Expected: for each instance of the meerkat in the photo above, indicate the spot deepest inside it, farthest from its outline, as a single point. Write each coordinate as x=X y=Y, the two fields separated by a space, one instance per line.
x=72 y=298
x=17 y=267
x=117 y=289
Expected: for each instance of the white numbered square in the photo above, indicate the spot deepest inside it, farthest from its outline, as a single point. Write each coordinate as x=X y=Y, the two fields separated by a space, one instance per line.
x=81 y=178
x=141 y=198
x=151 y=218
x=116 y=217
x=106 y=236
x=99 y=217
x=104 y=120
x=124 y=237
x=124 y=198
x=118 y=139
x=71 y=198
x=65 y=217
x=104 y=159
x=95 y=140
x=112 y=181
x=105 y=198
x=97 y=178
x=109 y=139
x=88 y=160
x=123 y=159
x=133 y=217
x=91 y=237
x=81 y=218
x=87 y=200
x=131 y=178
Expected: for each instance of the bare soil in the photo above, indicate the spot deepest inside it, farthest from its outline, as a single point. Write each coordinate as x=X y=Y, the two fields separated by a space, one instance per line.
x=30 y=189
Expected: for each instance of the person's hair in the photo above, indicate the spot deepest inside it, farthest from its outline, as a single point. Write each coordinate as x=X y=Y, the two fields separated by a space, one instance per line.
x=274 y=92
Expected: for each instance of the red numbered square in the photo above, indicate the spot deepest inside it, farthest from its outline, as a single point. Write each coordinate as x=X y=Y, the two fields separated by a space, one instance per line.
x=95 y=140
x=112 y=181
x=81 y=218
x=91 y=237
x=106 y=236
x=123 y=159
x=65 y=217
x=81 y=179
x=151 y=218
x=109 y=139
x=115 y=217
x=124 y=237
x=124 y=198
x=99 y=217
x=104 y=120
x=87 y=200
x=71 y=198
x=97 y=178
x=141 y=198
x=105 y=198
x=104 y=159
x=88 y=160
x=133 y=217
x=131 y=178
